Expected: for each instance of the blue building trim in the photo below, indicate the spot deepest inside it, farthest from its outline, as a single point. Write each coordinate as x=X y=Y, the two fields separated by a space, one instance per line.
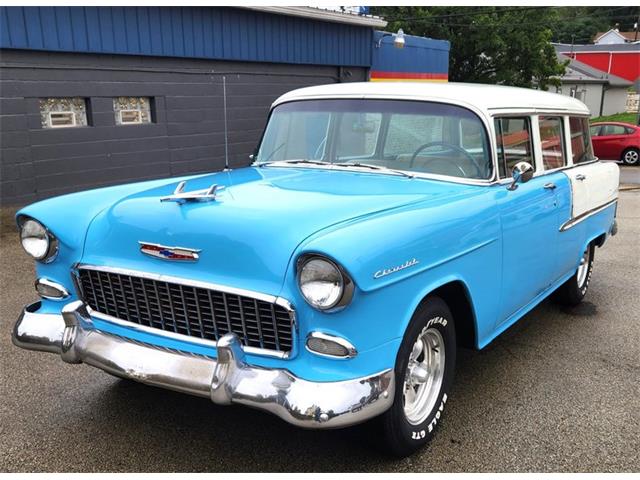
x=420 y=59
x=195 y=32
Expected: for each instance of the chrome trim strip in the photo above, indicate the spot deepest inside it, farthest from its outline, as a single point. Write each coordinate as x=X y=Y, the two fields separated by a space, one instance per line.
x=351 y=350
x=576 y=220
x=356 y=169
x=179 y=336
x=185 y=281
x=64 y=293
x=198 y=284
x=225 y=380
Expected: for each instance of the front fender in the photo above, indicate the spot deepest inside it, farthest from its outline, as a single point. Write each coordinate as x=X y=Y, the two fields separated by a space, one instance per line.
x=456 y=241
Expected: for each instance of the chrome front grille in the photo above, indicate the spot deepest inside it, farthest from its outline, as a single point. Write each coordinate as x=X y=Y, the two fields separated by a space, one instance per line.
x=191 y=310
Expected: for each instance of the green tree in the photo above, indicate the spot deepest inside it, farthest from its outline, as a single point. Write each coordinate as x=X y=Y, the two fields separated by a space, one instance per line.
x=580 y=24
x=502 y=45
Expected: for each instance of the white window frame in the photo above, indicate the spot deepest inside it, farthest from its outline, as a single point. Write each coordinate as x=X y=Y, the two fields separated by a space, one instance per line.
x=137 y=110
x=65 y=112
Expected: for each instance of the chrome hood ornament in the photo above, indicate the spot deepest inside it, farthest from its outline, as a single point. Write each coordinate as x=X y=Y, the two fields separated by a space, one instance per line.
x=204 y=195
x=169 y=253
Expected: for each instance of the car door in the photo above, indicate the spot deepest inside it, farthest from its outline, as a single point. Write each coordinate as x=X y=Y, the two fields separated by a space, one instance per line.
x=593 y=184
x=529 y=221
x=610 y=141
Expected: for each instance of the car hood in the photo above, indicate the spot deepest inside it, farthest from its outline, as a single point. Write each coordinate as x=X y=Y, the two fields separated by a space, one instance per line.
x=247 y=235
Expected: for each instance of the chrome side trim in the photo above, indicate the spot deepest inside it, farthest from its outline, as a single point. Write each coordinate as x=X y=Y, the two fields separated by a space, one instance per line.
x=352 y=352
x=198 y=284
x=226 y=379
x=64 y=293
x=576 y=220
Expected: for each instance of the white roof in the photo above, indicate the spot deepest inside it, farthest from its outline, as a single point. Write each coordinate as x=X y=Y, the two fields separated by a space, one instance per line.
x=482 y=97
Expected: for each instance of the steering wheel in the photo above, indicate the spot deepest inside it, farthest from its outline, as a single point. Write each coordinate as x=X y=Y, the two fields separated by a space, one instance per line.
x=450 y=146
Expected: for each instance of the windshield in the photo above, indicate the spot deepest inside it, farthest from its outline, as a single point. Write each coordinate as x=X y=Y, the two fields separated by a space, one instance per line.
x=412 y=136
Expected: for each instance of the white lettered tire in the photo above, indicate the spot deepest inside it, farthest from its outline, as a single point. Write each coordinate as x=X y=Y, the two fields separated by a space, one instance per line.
x=573 y=291
x=424 y=374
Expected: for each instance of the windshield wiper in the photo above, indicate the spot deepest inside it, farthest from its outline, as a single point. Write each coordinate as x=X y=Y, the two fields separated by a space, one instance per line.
x=294 y=161
x=374 y=167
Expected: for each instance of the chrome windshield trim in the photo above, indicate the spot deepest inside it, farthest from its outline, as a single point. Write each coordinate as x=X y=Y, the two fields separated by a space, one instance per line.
x=408 y=174
x=576 y=220
x=283 y=302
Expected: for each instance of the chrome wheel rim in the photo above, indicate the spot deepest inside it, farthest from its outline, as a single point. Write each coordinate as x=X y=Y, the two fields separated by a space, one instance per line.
x=583 y=268
x=631 y=157
x=424 y=375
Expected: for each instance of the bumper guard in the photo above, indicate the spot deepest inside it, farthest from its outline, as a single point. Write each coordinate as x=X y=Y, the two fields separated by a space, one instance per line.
x=226 y=379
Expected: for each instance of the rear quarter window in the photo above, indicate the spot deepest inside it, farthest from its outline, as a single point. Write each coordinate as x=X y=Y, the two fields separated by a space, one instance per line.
x=581 y=148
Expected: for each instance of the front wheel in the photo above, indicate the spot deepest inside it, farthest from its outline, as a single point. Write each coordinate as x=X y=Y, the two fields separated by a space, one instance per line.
x=631 y=156
x=573 y=290
x=424 y=375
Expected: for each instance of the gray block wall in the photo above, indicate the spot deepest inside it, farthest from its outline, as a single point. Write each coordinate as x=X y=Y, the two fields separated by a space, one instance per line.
x=187 y=135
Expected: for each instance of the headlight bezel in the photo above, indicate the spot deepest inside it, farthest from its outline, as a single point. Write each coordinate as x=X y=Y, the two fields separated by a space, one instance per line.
x=347 y=284
x=53 y=244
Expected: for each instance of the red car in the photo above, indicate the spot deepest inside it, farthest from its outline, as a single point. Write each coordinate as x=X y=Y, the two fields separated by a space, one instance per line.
x=616 y=141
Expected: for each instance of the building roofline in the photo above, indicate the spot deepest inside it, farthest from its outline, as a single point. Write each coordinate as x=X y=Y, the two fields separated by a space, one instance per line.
x=323 y=15
x=589 y=74
x=629 y=47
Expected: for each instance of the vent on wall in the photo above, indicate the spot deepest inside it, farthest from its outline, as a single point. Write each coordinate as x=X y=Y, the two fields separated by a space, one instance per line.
x=132 y=110
x=63 y=112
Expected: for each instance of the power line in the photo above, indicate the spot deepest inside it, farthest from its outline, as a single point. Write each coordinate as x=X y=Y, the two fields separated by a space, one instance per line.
x=500 y=25
x=466 y=14
x=436 y=19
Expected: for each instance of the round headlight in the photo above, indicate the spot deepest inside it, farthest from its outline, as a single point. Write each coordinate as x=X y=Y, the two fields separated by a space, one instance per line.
x=323 y=284
x=37 y=241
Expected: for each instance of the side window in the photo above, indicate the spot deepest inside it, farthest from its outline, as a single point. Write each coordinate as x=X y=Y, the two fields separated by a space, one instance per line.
x=614 y=130
x=580 y=140
x=64 y=112
x=595 y=131
x=513 y=138
x=551 y=140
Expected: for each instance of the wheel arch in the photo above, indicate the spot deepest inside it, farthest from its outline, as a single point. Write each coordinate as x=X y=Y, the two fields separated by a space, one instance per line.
x=456 y=295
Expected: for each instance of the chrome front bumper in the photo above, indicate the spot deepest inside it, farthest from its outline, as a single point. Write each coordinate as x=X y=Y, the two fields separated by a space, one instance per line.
x=226 y=379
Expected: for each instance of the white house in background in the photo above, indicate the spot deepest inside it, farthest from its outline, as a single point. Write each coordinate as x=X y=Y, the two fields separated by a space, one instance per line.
x=614 y=36
x=604 y=94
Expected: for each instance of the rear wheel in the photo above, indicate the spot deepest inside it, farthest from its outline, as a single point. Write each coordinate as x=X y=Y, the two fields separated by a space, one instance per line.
x=573 y=290
x=424 y=375
x=631 y=156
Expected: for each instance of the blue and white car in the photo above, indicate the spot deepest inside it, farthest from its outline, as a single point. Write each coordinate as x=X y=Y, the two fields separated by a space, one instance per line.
x=380 y=226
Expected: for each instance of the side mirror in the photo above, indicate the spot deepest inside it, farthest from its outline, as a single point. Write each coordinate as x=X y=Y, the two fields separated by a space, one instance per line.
x=522 y=172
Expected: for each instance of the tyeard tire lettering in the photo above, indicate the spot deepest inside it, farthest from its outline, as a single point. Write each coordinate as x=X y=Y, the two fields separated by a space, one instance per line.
x=425 y=366
x=421 y=434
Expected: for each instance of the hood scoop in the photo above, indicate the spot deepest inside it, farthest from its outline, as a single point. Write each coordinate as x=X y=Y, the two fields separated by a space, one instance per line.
x=204 y=195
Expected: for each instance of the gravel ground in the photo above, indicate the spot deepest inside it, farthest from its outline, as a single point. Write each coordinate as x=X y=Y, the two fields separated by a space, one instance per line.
x=560 y=391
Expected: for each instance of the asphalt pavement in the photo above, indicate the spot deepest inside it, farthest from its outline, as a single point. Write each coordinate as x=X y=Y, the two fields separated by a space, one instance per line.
x=560 y=391
x=629 y=175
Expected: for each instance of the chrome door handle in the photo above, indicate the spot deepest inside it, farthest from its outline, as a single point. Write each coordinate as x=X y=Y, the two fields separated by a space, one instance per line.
x=550 y=186
x=580 y=177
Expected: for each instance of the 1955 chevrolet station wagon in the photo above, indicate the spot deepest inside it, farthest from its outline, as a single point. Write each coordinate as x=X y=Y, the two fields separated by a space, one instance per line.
x=380 y=226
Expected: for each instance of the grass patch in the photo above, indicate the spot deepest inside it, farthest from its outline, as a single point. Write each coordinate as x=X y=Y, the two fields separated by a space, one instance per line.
x=631 y=118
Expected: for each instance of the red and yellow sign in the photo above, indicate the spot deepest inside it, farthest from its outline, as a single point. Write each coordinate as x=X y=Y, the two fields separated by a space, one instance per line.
x=380 y=76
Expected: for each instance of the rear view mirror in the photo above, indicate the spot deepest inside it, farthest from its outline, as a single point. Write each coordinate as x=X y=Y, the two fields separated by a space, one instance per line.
x=522 y=172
